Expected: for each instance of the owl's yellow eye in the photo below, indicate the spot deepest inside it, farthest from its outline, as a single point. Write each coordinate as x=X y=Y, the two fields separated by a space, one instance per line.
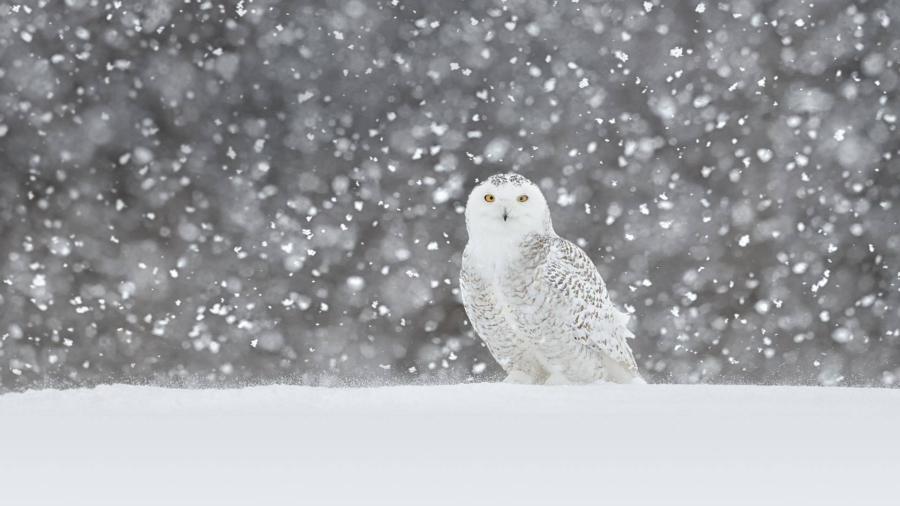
x=522 y=198
x=489 y=197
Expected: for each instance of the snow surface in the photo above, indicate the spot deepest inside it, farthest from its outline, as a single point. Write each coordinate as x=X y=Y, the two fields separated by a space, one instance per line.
x=473 y=443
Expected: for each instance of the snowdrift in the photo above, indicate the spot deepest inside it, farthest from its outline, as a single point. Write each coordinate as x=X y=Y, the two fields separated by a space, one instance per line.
x=474 y=443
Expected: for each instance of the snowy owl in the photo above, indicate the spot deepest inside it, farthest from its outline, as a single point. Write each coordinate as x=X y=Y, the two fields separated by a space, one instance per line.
x=535 y=298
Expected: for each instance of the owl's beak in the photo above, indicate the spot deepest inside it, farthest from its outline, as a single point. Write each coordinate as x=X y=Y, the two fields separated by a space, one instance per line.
x=505 y=213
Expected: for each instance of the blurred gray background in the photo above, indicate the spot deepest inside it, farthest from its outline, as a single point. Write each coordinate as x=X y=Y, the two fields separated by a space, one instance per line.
x=226 y=193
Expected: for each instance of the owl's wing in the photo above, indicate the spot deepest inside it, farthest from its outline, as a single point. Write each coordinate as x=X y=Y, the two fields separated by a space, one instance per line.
x=586 y=307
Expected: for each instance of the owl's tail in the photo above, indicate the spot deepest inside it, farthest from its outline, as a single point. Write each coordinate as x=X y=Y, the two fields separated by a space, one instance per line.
x=621 y=318
x=618 y=372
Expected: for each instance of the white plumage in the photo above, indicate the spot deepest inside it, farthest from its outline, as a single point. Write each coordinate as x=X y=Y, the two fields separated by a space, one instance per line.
x=535 y=298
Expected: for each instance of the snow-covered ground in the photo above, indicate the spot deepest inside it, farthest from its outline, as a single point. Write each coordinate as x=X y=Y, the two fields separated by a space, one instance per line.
x=470 y=444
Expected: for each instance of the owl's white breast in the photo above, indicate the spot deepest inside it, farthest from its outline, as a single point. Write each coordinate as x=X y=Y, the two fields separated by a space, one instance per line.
x=493 y=259
x=507 y=275
x=500 y=264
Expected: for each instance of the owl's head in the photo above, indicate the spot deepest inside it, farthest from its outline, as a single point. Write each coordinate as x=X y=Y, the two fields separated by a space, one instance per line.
x=507 y=206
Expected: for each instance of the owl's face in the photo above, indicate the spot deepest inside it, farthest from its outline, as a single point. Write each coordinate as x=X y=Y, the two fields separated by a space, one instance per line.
x=507 y=206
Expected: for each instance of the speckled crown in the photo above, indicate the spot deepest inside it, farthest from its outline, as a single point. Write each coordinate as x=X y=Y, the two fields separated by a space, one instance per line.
x=499 y=179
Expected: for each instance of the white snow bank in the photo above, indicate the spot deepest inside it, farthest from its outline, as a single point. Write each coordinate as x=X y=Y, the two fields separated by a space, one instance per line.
x=505 y=444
